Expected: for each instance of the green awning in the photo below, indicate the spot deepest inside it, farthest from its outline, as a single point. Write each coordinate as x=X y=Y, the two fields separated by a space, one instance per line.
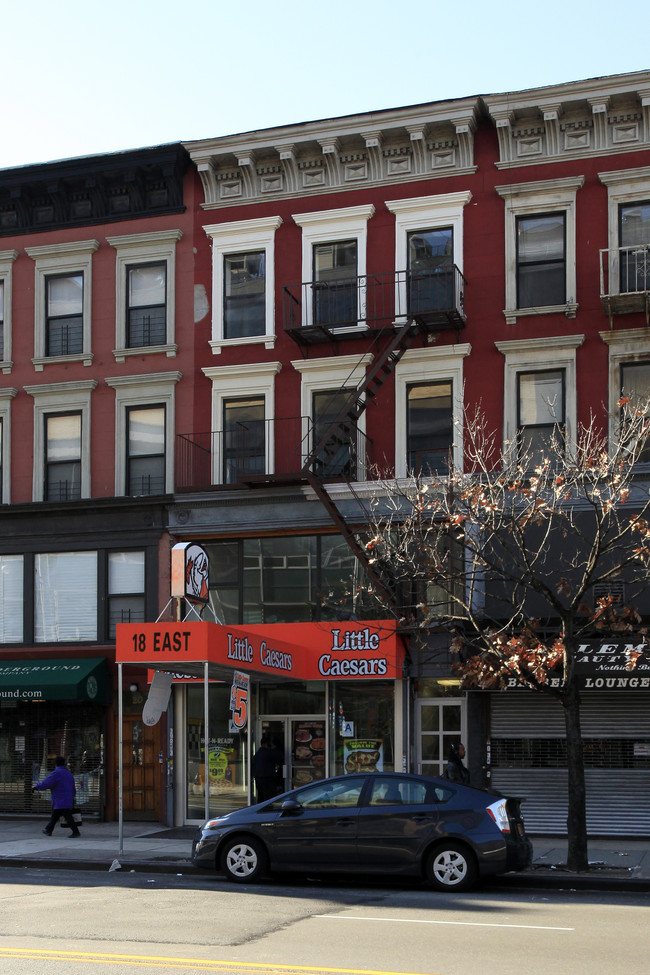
x=84 y=679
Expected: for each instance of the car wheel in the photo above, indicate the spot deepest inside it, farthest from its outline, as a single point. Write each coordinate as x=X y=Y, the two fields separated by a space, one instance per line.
x=450 y=867
x=243 y=860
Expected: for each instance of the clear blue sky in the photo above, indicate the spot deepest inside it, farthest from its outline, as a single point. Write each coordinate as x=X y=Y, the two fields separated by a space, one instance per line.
x=85 y=76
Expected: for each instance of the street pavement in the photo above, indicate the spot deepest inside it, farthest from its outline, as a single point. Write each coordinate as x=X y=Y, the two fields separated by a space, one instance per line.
x=615 y=864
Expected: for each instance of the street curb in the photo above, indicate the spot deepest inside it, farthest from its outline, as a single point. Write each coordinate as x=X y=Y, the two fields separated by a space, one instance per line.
x=512 y=881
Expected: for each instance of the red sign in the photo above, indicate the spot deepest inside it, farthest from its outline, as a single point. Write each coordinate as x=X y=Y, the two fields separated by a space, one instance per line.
x=302 y=651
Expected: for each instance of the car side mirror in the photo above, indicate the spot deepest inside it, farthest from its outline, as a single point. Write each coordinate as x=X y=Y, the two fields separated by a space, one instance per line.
x=290 y=806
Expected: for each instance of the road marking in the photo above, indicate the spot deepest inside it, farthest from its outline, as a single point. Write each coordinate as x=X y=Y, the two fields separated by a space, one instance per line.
x=466 y=924
x=202 y=964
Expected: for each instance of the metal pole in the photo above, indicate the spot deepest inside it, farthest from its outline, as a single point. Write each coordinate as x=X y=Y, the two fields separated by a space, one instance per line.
x=120 y=763
x=206 y=726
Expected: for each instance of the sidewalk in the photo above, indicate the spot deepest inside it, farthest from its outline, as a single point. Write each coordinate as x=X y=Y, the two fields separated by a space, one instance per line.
x=615 y=864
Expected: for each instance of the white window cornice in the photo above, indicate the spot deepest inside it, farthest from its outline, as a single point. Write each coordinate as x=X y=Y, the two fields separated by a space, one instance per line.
x=242 y=231
x=436 y=205
x=347 y=217
x=144 y=240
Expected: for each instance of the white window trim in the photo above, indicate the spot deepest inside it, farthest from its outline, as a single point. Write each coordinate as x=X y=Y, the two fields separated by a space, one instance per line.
x=425 y=213
x=152 y=248
x=152 y=389
x=239 y=237
x=623 y=186
x=318 y=375
x=74 y=257
x=7 y=259
x=539 y=354
x=627 y=345
x=6 y=396
x=323 y=226
x=73 y=397
x=424 y=366
x=528 y=199
x=231 y=382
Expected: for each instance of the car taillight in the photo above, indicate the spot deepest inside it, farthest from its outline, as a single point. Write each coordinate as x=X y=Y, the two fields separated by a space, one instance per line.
x=499 y=814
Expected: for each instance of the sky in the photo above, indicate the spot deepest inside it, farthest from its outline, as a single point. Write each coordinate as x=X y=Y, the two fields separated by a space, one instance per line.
x=80 y=77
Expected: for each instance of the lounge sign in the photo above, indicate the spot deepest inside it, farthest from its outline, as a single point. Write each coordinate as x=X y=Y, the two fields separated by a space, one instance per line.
x=303 y=651
x=617 y=664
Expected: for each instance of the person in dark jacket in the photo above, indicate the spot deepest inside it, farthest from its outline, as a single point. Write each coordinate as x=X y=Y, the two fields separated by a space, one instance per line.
x=456 y=771
x=61 y=784
x=265 y=762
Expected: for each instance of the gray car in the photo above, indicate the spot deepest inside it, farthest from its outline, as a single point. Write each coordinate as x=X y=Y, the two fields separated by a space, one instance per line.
x=384 y=823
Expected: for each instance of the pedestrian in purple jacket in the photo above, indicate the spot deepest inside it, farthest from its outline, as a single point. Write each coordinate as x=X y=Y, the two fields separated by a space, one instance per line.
x=61 y=784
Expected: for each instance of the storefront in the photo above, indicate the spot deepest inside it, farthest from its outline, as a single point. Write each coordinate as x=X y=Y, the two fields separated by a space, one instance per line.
x=49 y=708
x=526 y=747
x=330 y=695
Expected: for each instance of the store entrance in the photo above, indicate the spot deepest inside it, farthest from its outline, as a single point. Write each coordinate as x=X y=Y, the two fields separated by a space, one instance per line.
x=302 y=738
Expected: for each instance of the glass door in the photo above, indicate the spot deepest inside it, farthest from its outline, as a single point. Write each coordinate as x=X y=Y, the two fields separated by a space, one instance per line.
x=441 y=723
x=302 y=738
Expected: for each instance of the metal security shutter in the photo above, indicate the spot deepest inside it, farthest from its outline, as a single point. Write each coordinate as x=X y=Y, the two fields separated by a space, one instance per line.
x=618 y=798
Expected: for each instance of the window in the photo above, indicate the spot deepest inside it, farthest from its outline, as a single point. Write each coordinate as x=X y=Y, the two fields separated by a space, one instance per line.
x=334 y=264
x=540 y=410
x=146 y=305
x=634 y=237
x=540 y=226
x=428 y=243
x=635 y=383
x=243 y=416
x=7 y=259
x=243 y=282
x=63 y=302
x=145 y=293
x=334 y=280
x=56 y=443
x=125 y=589
x=62 y=457
x=430 y=270
x=6 y=395
x=429 y=421
x=244 y=311
x=539 y=389
x=65 y=597
x=323 y=376
x=338 y=456
x=429 y=409
x=144 y=432
x=244 y=450
x=145 y=435
x=541 y=260
x=11 y=598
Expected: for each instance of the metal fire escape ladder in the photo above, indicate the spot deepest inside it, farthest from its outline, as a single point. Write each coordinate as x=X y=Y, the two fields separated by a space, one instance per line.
x=338 y=435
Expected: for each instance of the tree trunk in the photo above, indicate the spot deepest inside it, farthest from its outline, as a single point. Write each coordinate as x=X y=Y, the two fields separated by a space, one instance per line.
x=577 y=857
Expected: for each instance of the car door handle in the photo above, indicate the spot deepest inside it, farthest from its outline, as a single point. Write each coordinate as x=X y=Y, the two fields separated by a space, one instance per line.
x=346 y=821
x=422 y=818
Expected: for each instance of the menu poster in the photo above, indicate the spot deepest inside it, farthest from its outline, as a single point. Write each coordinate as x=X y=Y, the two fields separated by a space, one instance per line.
x=308 y=751
x=363 y=755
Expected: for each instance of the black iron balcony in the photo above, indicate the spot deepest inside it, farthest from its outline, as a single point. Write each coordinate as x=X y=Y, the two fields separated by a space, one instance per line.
x=269 y=451
x=625 y=280
x=317 y=311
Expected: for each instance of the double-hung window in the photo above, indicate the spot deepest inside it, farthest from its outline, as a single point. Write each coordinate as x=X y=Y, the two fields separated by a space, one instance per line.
x=64 y=314
x=244 y=441
x=540 y=247
x=540 y=411
x=7 y=259
x=338 y=455
x=634 y=237
x=11 y=598
x=541 y=260
x=635 y=384
x=429 y=427
x=430 y=270
x=146 y=305
x=244 y=290
x=2 y=320
x=62 y=457
x=334 y=280
x=145 y=435
x=65 y=597
x=126 y=589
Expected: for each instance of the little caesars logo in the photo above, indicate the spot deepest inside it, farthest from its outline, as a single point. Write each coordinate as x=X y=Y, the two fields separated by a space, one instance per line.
x=351 y=641
x=241 y=649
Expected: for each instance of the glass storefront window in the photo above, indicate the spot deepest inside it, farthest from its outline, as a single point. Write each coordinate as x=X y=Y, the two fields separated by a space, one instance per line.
x=227 y=771
x=362 y=727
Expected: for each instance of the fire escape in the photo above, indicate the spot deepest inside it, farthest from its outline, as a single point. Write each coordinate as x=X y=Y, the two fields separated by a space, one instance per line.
x=387 y=313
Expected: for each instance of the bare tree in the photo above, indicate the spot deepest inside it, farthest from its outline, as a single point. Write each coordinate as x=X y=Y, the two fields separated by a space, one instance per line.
x=518 y=546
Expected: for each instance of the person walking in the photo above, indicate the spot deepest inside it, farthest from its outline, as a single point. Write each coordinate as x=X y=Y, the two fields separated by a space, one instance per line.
x=62 y=786
x=455 y=770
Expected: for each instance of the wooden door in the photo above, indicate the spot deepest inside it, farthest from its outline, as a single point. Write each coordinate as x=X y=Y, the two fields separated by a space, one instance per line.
x=141 y=768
